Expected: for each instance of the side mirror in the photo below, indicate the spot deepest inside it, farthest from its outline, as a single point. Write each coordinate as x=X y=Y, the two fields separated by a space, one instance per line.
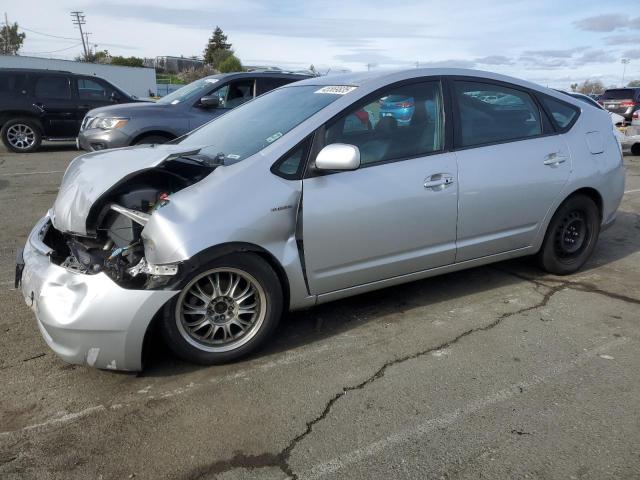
x=114 y=97
x=338 y=156
x=210 y=101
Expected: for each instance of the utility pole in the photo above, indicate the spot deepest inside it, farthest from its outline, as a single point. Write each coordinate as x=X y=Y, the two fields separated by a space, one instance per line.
x=78 y=18
x=624 y=62
x=7 y=37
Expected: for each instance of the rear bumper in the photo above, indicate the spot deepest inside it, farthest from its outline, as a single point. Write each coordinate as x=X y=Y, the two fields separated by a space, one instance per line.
x=86 y=319
x=98 y=139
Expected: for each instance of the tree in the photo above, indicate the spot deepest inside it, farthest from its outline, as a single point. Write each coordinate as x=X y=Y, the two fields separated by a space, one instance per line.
x=217 y=43
x=192 y=74
x=634 y=83
x=231 y=64
x=127 y=61
x=217 y=57
x=574 y=87
x=10 y=40
x=591 y=86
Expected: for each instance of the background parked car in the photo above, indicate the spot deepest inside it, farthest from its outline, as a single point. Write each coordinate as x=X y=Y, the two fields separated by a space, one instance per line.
x=616 y=119
x=38 y=105
x=623 y=101
x=178 y=113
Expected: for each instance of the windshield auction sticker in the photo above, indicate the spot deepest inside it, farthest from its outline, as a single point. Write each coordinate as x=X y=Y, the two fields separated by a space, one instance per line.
x=336 y=89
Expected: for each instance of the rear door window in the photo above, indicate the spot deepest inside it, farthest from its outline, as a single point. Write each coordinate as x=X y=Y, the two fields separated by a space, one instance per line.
x=397 y=123
x=562 y=113
x=56 y=87
x=265 y=85
x=11 y=83
x=490 y=113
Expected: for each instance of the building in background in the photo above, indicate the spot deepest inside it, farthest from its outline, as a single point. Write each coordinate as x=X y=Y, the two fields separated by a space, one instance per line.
x=138 y=81
x=173 y=64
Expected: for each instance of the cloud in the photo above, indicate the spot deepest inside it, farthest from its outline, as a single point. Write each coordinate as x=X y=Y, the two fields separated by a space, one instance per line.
x=622 y=39
x=633 y=54
x=495 y=60
x=567 y=53
x=607 y=23
x=595 y=56
x=452 y=63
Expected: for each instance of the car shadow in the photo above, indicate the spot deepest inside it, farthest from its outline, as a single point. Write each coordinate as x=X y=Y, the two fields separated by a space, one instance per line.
x=333 y=319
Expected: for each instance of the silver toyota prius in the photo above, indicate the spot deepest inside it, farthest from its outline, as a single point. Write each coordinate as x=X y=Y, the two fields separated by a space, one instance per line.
x=316 y=191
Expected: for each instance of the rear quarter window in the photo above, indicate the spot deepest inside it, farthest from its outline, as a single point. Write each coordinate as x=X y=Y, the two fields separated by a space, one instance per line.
x=563 y=115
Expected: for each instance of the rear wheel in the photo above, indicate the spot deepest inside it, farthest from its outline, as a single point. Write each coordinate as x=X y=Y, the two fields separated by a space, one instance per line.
x=152 y=139
x=571 y=236
x=21 y=135
x=225 y=311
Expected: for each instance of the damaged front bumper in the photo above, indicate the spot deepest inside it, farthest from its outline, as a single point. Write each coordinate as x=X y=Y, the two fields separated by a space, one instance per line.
x=86 y=319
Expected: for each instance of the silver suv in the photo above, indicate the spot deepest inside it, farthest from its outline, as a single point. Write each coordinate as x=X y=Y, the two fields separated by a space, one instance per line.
x=177 y=113
x=319 y=190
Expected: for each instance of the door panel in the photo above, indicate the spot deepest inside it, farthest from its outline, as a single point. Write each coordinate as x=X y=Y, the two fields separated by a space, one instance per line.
x=378 y=222
x=57 y=108
x=505 y=192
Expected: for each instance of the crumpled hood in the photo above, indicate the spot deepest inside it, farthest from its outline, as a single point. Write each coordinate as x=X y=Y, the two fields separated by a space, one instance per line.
x=90 y=176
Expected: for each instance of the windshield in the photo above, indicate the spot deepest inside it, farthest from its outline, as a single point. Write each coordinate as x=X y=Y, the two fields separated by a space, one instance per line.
x=257 y=124
x=203 y=85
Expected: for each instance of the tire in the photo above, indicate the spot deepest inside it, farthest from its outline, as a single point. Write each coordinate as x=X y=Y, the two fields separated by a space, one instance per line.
x=571 y=236
x=152 y=139
x=204 y=325
x=21 y=135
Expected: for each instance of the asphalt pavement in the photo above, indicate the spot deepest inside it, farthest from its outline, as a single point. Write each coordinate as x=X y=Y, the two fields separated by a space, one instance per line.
x=495 y=372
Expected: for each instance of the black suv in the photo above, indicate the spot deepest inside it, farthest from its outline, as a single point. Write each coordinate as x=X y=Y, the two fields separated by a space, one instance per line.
x=623 y=101
x=38 y=105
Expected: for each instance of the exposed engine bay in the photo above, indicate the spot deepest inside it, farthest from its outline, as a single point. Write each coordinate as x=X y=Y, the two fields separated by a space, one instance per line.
x=115 y=222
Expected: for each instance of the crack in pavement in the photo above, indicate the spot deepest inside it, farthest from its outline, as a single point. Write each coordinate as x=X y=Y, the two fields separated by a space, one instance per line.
x=573 y=285
x=281 y=459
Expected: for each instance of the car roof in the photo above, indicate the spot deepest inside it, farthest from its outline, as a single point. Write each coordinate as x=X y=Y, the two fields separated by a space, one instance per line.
x=36 y=70
x=380 y=78
x=262 y=74
x=359 y=79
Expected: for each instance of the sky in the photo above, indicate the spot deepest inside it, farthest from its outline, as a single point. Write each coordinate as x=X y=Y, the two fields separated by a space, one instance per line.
x=551 y=42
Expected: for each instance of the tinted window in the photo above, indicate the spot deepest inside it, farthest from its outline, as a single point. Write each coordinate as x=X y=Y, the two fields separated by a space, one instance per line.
x=492 y=113
x=54 y=87
x=267 y=84
x=11 y=82
x=562 y=113
x=92 y=90
x=399 y=123
x=196 y=89
x=618 y=94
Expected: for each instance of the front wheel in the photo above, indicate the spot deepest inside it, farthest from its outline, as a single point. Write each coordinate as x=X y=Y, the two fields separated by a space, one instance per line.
x=571 y=236
x=21 y=135
x=225 y=311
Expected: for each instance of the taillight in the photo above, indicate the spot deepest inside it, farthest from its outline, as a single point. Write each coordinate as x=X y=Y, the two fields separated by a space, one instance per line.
x=628 y=103
x=635 y=115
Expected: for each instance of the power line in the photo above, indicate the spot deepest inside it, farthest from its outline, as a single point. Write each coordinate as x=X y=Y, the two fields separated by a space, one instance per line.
x=53 y=51
x=47 y=34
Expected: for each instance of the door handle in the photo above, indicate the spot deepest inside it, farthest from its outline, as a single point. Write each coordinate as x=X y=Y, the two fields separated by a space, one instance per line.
x=83 y=107
x=39 y=106
x=438 y=181
x=554 y=159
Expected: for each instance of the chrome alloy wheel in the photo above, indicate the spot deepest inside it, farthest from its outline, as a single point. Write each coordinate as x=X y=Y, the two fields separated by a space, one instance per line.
x=21 y=136
x=221 y=309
